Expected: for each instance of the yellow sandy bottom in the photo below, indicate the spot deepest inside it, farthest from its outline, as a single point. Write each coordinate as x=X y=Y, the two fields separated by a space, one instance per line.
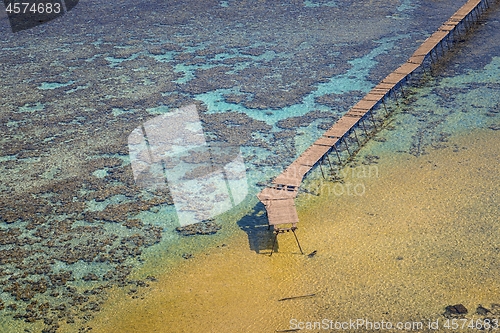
x=422 y=236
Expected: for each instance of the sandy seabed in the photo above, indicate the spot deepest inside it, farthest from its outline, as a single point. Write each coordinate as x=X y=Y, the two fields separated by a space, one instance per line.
x=423 y=235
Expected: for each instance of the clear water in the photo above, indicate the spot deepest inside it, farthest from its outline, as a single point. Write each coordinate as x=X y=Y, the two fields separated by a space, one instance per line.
x=279 y=73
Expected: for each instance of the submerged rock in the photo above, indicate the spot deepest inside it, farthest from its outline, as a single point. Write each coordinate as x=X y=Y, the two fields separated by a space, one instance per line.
x=455 y=310
x=482 y=311
x=202 y=228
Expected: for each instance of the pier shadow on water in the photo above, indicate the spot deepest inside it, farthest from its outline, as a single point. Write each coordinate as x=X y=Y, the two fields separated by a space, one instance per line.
x=256 y=227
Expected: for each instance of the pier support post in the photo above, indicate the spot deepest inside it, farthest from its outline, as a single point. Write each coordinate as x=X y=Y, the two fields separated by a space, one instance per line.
x=300 y=247
x=385 y=107
x=395 y=95
x=274 y=242
x=373 y=120
x=329 y=163
x=402 y=90
x=356 y=136
x=347 y=147
x=362 y=120
x=321 y=162
x=338 y=155
x=279 y=231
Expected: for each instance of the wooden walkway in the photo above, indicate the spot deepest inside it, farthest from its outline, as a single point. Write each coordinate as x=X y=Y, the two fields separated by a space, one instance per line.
x=279 y=198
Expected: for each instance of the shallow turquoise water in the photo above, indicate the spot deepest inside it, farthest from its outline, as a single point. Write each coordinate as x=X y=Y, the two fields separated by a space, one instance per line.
x=269 y=77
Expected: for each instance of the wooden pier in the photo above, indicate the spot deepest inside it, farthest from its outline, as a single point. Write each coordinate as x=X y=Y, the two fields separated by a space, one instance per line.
x=279 y=198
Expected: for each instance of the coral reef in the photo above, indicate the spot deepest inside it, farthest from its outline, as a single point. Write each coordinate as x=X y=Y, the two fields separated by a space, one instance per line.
x=202 y=228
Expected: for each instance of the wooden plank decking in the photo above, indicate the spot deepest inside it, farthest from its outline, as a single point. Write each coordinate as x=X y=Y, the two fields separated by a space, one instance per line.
x=279 y=199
